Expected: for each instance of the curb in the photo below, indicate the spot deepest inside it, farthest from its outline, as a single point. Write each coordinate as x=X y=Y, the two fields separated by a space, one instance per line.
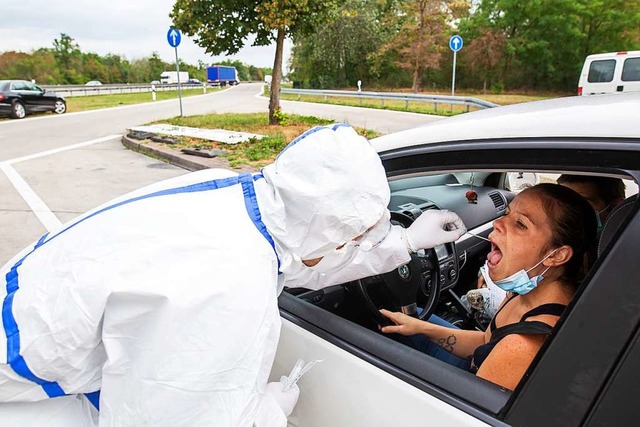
x=185 y=161
x=143 y=148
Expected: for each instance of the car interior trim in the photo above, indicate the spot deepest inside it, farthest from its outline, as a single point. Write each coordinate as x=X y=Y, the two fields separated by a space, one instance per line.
x=422 y=371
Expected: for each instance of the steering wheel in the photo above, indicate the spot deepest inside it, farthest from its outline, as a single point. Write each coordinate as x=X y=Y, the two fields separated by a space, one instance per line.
x=407 y=284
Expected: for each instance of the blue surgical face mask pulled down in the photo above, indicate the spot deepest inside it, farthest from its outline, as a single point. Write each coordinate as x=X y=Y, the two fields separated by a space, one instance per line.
x=519 y=282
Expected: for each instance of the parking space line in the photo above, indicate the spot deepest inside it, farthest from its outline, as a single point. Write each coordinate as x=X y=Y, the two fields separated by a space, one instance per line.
x=61 y=149
x=39 y=208
x=37 y=205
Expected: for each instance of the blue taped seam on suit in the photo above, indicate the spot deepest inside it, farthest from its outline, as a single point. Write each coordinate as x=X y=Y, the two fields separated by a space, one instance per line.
x=14 y=359
x=94 y=398
x=12 y=332
x=253 y=210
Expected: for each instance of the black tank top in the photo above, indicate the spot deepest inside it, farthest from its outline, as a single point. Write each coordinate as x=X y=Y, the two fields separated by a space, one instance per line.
x=522 y=327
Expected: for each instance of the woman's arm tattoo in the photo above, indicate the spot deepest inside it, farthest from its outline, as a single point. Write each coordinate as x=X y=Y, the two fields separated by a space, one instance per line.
x=447 y=343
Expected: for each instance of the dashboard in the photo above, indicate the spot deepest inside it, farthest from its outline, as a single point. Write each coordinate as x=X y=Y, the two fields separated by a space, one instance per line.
x=413 y=196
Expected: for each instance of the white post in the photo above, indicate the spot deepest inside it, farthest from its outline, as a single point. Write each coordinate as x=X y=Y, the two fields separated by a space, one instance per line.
x=153 y=92
x=453 y=79
x=179 y=85
x=359 y=85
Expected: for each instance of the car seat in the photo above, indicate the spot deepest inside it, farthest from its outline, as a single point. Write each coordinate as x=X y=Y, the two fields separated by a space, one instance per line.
x=614 y=221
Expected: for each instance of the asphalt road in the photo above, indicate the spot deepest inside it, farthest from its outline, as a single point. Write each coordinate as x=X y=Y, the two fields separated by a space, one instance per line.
x=57 y=167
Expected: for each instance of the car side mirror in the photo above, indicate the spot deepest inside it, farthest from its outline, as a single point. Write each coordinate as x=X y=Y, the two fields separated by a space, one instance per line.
x=518 y=181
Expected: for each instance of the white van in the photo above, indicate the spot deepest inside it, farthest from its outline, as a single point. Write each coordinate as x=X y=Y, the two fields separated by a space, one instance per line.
x=610 y=73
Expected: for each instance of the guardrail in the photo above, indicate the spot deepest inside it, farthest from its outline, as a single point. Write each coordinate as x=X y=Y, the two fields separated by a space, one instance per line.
x=406 y=97
x=80 y=90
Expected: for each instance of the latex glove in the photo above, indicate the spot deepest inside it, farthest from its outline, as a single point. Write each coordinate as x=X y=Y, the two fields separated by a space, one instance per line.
x=433 y=228
x=286 y=399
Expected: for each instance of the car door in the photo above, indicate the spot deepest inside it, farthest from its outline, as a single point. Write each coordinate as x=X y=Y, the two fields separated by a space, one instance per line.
x=38 y=98
x=24 y=96
x=368 y=379
x=30 y=97
x=601 y=76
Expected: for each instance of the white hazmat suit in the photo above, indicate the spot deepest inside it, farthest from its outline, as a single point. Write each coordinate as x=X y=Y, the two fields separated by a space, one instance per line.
x=160 y=307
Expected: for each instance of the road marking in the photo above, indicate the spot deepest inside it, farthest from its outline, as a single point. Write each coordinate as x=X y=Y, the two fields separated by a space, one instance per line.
x=61 y=149
x=37 y=205
x=39 y=208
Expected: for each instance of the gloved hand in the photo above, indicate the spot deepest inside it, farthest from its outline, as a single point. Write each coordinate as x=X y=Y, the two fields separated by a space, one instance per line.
x=433 y=228
x=286 y=399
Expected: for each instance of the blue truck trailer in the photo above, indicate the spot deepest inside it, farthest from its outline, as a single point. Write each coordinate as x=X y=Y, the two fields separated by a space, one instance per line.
x=222 y=75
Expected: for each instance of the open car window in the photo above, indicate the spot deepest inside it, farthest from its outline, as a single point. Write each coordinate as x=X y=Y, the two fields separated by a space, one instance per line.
x=432 y=179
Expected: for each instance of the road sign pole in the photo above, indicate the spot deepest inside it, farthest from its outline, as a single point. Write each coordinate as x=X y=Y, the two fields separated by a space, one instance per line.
x=173 y=37
x=179 y=85
x=455 y=44
x=453 y=78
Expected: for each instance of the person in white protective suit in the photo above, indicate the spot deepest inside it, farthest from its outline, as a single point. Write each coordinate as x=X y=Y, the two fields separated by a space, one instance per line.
x=159 y=308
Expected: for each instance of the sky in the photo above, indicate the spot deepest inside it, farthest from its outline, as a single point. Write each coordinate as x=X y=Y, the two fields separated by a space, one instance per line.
x=130 y=28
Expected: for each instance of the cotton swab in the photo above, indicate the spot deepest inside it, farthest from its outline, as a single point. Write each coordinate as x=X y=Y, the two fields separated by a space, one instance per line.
x=479 y=237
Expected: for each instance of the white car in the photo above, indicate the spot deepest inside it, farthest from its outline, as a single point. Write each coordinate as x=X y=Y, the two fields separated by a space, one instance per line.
x=612 y=72
x=93 y=83
x=587 y=373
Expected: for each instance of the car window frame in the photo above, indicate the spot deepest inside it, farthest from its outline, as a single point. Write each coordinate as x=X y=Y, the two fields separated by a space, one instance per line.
x=614 y=156
x=16 y=88
x=626 y=70
x=592 y=71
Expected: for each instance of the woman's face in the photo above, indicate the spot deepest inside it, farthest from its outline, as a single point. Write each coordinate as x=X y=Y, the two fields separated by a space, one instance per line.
x=520 y=239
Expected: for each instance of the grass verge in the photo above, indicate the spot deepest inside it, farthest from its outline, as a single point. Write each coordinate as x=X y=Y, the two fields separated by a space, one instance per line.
x=255 y=152
x=81 y=103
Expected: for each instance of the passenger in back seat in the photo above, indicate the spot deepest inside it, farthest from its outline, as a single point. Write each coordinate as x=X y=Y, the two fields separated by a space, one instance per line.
x=602 y=193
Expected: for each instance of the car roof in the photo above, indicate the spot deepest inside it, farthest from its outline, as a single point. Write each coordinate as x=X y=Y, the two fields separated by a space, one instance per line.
x=610 y=116
x=622 y=54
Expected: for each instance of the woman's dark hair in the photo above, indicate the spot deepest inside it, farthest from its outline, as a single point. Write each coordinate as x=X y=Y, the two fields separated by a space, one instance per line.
x=573 y=223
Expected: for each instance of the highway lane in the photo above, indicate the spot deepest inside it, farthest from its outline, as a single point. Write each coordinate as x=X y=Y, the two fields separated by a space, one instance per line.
x=57 y=167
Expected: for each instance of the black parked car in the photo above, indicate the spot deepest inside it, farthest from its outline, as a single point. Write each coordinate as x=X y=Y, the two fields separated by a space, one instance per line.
x=20 y=97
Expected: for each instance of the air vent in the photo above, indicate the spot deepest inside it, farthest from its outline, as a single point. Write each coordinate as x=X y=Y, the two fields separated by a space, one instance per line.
x=498 y=201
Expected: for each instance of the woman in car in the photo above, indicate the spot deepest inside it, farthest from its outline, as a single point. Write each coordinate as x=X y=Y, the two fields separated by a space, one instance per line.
x=540 y=252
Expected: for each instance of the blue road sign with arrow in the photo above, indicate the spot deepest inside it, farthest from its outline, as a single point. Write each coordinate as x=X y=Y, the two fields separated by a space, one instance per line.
x=455 y=43
x=173 y=37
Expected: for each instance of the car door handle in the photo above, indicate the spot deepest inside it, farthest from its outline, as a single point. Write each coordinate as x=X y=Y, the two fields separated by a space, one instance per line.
x=620 y=88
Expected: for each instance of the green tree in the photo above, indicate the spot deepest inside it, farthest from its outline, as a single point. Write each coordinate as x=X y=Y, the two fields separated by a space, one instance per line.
x=94 y=68
x=140 y=71
x=546 y=41
x=156 y=66
x=68 y=58
x=222 y=26
x=423 y=29
x=609 y=25
x=483 y=55
x=118 y=68
x=338 y=53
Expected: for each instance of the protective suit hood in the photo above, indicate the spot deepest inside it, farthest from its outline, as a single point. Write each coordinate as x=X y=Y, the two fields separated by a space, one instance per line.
x=325 y=188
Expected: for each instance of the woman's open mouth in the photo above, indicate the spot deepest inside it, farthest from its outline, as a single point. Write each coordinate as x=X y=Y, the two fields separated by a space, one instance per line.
x=494 y=256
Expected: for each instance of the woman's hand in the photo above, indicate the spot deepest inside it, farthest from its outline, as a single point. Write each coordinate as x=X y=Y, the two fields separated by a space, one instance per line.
x=405 y=325
x=481 y=282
